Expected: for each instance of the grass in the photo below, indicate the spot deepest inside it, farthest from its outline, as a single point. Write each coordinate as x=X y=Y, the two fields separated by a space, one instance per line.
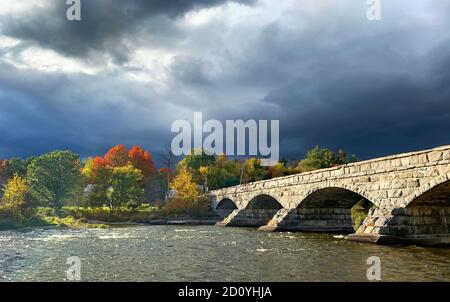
x=43 y=217
x=71 y=222
x=87 y=217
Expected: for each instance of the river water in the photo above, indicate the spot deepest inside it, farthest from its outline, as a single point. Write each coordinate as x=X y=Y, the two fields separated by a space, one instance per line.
x=208 y=253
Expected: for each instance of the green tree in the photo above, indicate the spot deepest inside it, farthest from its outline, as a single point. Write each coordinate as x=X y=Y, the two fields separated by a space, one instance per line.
x=15 y=165
x=317 y=158
x=97 y=194
x=253 y=171
x=124 y=187
x=88 y=169
x=342 y=158
x=224 y=173
x=53 y=177
x=193 y=162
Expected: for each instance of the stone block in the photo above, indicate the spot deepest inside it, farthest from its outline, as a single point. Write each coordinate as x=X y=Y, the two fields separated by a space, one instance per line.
x=413 y=183
x=380 y=222
x=354 y=169
x=419 y=159
x=398 y=184
x=405 y=161
x=368 y=229
x=395 y=163
x=446 y=155
x=394 y=193
x=435 y=156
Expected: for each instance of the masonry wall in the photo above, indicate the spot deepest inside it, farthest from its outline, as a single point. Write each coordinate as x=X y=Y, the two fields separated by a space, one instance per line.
x=390 y=183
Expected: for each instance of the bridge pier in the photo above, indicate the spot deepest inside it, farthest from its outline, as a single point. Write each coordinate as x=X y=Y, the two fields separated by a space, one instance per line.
x=251 y=218
x=330 y=220
x=420 y=225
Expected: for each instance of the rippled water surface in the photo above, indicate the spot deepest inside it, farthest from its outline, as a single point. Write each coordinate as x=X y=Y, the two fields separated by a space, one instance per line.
x=208 y=253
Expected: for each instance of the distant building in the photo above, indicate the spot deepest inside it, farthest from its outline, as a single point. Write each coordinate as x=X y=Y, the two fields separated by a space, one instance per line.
x=171 y=194
x=88 y=189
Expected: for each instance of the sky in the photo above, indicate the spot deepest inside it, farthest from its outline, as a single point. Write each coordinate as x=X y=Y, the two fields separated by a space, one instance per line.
x=129 y=69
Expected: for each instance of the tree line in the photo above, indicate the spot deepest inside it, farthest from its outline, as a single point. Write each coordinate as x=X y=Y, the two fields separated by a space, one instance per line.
x=120 y=178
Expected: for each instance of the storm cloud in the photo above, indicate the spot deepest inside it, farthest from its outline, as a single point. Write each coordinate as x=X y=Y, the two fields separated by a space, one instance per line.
x=130 y=68
x=108 y=27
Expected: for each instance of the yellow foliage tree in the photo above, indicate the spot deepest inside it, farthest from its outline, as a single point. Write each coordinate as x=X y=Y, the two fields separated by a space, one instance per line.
x=88 y=169
x=14 y=195
x=184 y=185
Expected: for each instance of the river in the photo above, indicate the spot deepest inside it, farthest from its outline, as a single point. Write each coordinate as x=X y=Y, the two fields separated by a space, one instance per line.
x=208 y=253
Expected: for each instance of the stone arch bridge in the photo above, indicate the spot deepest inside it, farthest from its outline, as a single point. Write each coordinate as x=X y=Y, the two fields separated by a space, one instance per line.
x=408 y=195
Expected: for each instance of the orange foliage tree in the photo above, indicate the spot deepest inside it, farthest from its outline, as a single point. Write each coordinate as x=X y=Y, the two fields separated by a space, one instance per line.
x=99 y=163
x=142 y=160
x=117 y=156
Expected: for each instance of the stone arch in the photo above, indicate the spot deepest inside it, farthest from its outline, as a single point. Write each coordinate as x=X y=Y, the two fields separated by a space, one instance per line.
x=327 y=208
x=260 y=209
x=338 y=188
x=439 y=195
x=264 y=201
x=429 y=191
x=226 y=203
x=335 y=197
x=224 y=207
x=425 y=213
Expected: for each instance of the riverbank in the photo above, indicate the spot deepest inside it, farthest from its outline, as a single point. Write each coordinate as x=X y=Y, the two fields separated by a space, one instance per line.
x=191 y=222
x=49 y=222
x=79 y=218
x=77 y=224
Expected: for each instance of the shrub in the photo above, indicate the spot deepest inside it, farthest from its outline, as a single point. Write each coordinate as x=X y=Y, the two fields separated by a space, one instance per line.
x=178 y=208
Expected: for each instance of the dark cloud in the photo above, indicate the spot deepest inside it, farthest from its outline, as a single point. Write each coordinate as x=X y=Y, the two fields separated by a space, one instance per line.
x=366 y=113
x=108 y=27
x=40 y=112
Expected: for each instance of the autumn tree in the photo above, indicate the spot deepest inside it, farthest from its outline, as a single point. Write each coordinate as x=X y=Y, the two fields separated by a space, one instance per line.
x=184 y=185
x=88 y=170
x=14 y=195
x=98 y=164
x=117 y=156
x=53 y=177
x=142 y=160
x=277 y=170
